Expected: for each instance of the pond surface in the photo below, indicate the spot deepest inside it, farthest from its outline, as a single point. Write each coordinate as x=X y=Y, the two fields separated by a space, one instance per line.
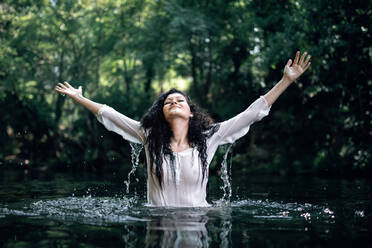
x=44 y=209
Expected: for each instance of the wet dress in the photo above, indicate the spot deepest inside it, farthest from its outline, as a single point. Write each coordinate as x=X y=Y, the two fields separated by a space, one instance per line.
x=184 y=189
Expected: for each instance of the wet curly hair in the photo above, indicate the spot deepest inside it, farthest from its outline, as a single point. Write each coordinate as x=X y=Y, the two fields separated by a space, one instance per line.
x=159 y=134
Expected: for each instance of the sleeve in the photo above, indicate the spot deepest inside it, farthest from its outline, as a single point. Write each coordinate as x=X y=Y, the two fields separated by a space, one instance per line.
x=128 y=128
x=238 y=126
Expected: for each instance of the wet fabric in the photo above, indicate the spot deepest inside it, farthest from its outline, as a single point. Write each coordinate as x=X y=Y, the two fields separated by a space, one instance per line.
x=186 y=188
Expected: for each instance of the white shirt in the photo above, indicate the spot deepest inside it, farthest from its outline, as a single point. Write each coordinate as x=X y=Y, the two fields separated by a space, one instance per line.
x=186 y=189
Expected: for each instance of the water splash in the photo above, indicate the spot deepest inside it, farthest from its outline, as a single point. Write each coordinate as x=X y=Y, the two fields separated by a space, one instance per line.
x=136 y=150
x=175 y=227
x=106 y=210
x=225 y=176
x=291 y=212
x=87 y=210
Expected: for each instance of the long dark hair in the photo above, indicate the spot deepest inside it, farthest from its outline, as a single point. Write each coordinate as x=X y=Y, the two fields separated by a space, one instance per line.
x=159 y=134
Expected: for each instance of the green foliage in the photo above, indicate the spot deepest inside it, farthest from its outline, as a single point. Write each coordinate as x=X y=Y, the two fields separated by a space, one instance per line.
x=123 y=52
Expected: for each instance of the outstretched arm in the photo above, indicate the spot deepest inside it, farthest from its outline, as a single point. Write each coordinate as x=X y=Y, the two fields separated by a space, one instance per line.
x=77 y=95
x=231 y=130
x=114 y=121
x=291 y=72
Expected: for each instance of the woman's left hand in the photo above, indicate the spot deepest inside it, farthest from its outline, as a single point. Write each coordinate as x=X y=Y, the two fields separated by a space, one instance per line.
x=294 y=70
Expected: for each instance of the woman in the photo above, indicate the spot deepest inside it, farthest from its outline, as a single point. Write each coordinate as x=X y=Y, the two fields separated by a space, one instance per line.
x=180 y=140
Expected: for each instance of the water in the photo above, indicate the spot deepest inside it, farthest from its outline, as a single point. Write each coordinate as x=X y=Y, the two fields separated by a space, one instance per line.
x=44 y=209
x=225 y=175
x=135 y=153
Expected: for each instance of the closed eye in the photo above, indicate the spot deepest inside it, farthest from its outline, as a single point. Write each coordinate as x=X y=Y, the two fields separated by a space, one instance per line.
x=178 y=100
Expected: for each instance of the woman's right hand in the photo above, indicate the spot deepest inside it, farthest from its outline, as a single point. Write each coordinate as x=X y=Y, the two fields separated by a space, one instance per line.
x=68 y=90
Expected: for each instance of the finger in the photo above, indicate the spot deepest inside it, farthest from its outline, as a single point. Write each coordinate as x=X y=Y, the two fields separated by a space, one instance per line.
x=62 y=86
x=302 y=58
x=289 y=62
x=58 y=89
x=307 y=66
x=68 y=85
x=307 y=60
x=296 y=58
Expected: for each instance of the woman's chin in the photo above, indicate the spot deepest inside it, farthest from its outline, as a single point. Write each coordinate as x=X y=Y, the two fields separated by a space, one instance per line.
x=176 y=115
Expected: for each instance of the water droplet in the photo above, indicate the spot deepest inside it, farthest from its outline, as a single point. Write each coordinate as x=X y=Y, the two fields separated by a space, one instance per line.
x=284 y=213
x=359 y=213
x=307 y=216
x=328 y=211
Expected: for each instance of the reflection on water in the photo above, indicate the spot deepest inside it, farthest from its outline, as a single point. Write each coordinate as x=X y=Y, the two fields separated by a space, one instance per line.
x=268 y=211
x=178 y=228
x=172 y=227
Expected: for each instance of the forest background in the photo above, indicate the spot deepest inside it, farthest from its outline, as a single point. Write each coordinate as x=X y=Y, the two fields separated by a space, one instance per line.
x=225 y=54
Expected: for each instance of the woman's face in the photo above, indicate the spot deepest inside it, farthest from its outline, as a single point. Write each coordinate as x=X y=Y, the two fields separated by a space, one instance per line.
x=176 y=106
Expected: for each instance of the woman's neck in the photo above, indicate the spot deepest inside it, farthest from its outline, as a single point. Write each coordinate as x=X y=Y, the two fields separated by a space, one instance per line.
x=179 y=142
